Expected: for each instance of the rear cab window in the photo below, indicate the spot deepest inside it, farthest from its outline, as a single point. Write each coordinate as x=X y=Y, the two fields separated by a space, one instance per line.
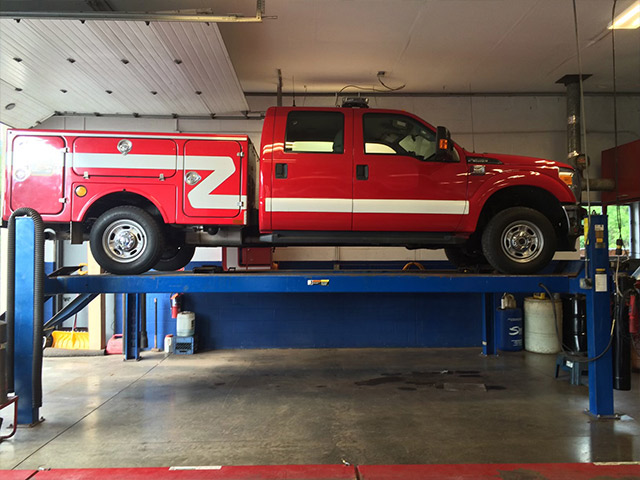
x=314 y=132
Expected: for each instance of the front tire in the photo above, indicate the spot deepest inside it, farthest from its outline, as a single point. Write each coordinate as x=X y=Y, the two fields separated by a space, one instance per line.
x=519 y=240
x=126 y=240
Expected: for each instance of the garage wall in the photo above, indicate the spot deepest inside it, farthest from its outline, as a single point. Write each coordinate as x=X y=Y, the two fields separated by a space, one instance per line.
x=230 y=321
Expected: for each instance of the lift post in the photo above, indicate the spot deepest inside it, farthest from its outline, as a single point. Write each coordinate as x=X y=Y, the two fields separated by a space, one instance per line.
x=598 y=297
x=25 y=382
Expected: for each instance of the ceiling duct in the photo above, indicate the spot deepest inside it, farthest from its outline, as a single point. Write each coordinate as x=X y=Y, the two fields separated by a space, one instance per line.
x=574 y=124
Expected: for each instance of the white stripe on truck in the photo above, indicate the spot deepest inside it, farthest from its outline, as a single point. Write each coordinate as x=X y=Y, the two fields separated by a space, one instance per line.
x=346 y=205
x=125 y=162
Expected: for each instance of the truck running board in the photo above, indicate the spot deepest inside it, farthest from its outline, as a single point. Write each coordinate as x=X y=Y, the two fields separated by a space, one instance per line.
x=402 y=239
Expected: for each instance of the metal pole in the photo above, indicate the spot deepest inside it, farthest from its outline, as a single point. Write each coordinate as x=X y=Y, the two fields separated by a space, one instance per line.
x=155 y=324
x=144 y=340
x=488 y=324
x=279 y=91
x=131 y=329
x=635 y=230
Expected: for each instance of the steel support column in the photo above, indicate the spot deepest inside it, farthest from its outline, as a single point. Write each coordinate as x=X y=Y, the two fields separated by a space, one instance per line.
x=599 y=318
x=489 y=324
x=131 y=327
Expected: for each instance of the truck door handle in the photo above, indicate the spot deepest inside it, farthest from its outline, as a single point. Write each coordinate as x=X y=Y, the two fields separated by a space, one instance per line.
x=282 y=170
x=362 y=172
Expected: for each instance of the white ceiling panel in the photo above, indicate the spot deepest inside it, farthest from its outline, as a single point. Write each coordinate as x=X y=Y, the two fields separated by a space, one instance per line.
x=25 y=105
x=108 y=67
x=432 y=46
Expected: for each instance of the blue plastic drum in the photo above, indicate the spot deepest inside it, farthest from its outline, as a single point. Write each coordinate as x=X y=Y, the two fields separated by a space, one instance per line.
x=509 y=329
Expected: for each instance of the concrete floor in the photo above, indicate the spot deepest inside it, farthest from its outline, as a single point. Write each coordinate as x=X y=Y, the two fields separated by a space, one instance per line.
x=367 y=406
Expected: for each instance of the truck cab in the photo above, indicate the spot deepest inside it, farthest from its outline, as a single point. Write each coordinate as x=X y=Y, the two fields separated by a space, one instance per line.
x=354 y=176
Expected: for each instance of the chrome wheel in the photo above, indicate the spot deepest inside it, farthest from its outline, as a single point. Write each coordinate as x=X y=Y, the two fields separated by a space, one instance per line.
x=124 y=241
x=522 y=241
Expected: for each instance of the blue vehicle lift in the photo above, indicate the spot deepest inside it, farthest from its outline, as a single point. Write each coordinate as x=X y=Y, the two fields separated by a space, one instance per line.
x=593 y=281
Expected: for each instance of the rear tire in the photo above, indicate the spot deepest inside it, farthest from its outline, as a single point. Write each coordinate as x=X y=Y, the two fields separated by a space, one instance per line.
x=175 y=257
x=126 y=240
x=519 y=240
x=462 y=258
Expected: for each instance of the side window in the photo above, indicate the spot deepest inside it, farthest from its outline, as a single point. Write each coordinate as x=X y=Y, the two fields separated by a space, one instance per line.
x=314 y=132
x=394 y=134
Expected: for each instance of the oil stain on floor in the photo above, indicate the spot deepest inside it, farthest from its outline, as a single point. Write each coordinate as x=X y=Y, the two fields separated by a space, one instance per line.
x=449 y=380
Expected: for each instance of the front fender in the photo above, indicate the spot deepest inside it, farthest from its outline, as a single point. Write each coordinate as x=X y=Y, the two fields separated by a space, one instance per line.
x=500 y=179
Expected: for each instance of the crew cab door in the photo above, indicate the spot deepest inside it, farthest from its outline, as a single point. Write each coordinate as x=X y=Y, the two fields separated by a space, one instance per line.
x=398 y=184
x=311 y=176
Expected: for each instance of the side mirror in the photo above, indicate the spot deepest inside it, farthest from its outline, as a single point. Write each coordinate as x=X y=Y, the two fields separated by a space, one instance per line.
x=444 y=145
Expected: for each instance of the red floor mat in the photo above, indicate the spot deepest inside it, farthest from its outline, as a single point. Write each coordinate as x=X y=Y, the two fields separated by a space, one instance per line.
x=272 y=472
x=17 y=474
x=542 y=471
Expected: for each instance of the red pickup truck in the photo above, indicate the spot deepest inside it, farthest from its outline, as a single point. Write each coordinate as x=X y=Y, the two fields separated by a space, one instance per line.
x=324 y=176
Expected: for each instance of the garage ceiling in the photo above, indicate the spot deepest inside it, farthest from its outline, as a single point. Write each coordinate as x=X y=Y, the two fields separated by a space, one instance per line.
x=430 y=46
x=113 y=67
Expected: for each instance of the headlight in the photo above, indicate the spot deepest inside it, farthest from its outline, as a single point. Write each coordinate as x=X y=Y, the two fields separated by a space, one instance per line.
x=566 y=175
x=573 y=180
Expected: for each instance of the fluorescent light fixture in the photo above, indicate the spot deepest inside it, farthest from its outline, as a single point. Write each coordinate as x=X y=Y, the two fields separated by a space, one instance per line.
x=628 y=19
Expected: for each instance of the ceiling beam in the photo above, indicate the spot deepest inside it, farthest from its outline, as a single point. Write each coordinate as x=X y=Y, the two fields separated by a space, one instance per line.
x=141 y=16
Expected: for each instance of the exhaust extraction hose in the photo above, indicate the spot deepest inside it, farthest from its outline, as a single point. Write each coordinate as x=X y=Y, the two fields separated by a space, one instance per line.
x=38 y=302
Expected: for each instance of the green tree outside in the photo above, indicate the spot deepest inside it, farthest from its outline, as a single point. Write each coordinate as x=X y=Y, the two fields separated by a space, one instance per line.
x=621 y=229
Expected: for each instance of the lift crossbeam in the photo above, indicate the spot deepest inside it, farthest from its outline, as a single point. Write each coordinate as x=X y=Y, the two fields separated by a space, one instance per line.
x=308 y=282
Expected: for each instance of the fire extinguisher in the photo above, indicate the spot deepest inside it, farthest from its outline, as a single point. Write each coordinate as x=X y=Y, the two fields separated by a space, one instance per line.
x=634 y=315
x=176 y=304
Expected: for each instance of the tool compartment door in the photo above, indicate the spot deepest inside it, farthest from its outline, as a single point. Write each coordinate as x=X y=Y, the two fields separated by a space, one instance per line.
x=37 y=173
x=212 y=179
x=123 y=156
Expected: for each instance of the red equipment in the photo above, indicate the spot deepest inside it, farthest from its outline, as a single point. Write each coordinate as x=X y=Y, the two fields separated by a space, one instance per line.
x=176 y=304
x=634 y=315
